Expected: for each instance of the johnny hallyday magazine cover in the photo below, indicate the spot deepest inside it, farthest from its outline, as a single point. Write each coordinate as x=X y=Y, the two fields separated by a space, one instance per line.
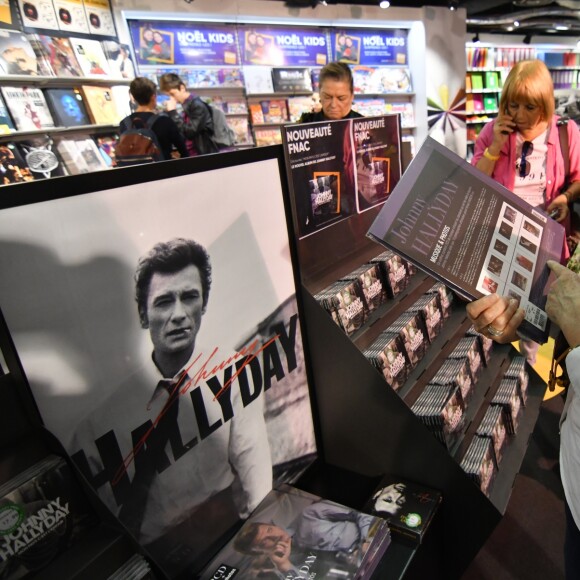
x=295 y=535
x=471 y=233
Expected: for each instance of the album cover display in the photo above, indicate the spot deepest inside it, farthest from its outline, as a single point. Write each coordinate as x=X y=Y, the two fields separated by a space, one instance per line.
x=13 y=167
x=28 y=108
x=42 y=513
x=471 y=233
x=135 y=568
x=67 y=106
x=80 y=155
x=377 y=80
x=493 y=426
x=468 y=349
x=99 y=17
x=38 y=14
x=106 y=145
x=344 y=301
x=518 y=370
x=508 y=398
x=409 y=327
x=370 y=280
x=241 y=128
x=119 y=59
x=441 y=409
x=258 y=79
x=479 y=463
x=17 y=56
x=428 y=308
x=360 y=158
x=409 y=507
x=445 y=295
x=291 y=80
x=58 y=53
x=101 y=105
x=388 y=355
x=122 y=100
x=71 y=17
x=91 y=57
x=395 y=275
x=41 y=158
x=6 y=124
x=455 y=372
x=265 y=137
x=315 y=537
x=485 y=344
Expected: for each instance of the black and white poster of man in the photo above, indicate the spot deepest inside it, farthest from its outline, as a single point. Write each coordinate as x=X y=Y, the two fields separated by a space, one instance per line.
x=158 y=328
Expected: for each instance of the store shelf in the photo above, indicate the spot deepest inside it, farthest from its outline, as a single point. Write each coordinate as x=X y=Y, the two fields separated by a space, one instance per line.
x=26 y=80
x=23 y=135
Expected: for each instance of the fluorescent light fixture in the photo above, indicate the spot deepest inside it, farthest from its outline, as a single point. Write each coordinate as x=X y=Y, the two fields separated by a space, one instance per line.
x=384 y=3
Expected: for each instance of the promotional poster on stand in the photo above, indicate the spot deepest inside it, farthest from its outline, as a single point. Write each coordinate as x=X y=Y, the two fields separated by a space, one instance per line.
x=179 y=390
x=471 y=233
x=340 y=168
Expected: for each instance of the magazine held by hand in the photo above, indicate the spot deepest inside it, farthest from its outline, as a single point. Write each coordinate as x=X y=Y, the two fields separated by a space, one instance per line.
x=471 y=233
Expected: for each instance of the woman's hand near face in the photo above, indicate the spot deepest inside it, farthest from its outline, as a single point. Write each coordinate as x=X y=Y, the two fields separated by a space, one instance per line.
x=499 y=313
x=502 y=128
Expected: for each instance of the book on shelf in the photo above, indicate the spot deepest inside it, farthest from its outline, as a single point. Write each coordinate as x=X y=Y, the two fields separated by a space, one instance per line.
x=122 y=100
x=40 y=157
x=380 y=80
x=267 y=137
x=91 y=57
x=274 y=111
x=101 y=105
x=299 y=105
x=17 y=56
x=58 y=53
x=241 y=128
x=370 y=107
x=28 y=108
x=80 y=155
x=295 y=534
x=471 y=233
x=106 y=145
x=490 y=103
x=6 y=123
x=67 y=106
x=13 y=168
x=258 y=79
x=476 y=81
x=235 y=106
x=290 y=80
x=405 y=110
x=43 y=512
x=409 y=507
x=492 y=80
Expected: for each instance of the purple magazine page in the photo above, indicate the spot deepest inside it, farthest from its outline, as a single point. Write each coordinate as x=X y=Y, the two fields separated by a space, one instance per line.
x=471 y=233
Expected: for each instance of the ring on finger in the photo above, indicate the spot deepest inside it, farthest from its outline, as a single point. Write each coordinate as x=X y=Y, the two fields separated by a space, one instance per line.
x=494 y=331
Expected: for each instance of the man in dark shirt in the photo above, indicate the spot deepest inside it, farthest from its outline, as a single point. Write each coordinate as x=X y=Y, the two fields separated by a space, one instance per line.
x=336 y=95
x=144 y=92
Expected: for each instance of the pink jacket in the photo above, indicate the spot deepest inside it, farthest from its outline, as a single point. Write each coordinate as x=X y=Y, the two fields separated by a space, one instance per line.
x=504 y=170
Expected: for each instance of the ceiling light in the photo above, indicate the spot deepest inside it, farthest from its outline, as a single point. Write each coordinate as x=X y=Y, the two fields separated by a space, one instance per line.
x=516 y=23
x=561 y=27
x=452 y=4
x=527 y=39
x=384 y=4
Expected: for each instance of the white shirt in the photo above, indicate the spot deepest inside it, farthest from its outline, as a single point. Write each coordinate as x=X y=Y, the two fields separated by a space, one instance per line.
x=532 y=187
x=570 y=438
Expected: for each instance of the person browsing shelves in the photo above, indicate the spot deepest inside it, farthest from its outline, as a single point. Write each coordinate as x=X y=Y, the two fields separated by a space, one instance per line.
x=336 y=95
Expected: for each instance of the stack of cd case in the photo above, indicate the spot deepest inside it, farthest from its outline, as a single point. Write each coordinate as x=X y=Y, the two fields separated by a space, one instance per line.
x=455 y=372
x=493 y=426
x=441 y=410
x=508 y=397
x=394 y=272
x=445 y=298
x=344 y=302
x=468 y=348
x=517 y=370
x=486 y=344
x=387 y=354
x=479 y=463
x=371 y=284
x=430 y=315
x=135 y=568
x=409 y=327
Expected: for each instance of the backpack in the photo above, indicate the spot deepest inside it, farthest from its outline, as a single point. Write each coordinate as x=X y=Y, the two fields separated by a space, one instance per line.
x=223 y=135
x=138 y=145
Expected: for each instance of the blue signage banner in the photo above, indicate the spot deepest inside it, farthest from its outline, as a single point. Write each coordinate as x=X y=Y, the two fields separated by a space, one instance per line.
x=183 y=43
x=370 y=47
x=276 y=46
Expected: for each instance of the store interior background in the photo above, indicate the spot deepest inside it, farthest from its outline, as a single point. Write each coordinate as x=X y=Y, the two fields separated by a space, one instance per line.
x=527 y=544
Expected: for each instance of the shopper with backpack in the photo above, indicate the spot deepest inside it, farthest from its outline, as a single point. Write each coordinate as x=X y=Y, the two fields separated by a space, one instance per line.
x=145 y=135
x=195 y=120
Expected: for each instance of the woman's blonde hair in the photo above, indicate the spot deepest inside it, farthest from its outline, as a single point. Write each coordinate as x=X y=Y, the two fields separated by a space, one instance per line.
x=529 y=81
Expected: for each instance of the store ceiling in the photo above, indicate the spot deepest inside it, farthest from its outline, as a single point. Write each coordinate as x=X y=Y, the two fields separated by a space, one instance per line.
x=535 y=17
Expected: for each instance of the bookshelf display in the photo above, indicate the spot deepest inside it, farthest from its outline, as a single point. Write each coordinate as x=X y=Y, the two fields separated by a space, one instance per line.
x=487 y=68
